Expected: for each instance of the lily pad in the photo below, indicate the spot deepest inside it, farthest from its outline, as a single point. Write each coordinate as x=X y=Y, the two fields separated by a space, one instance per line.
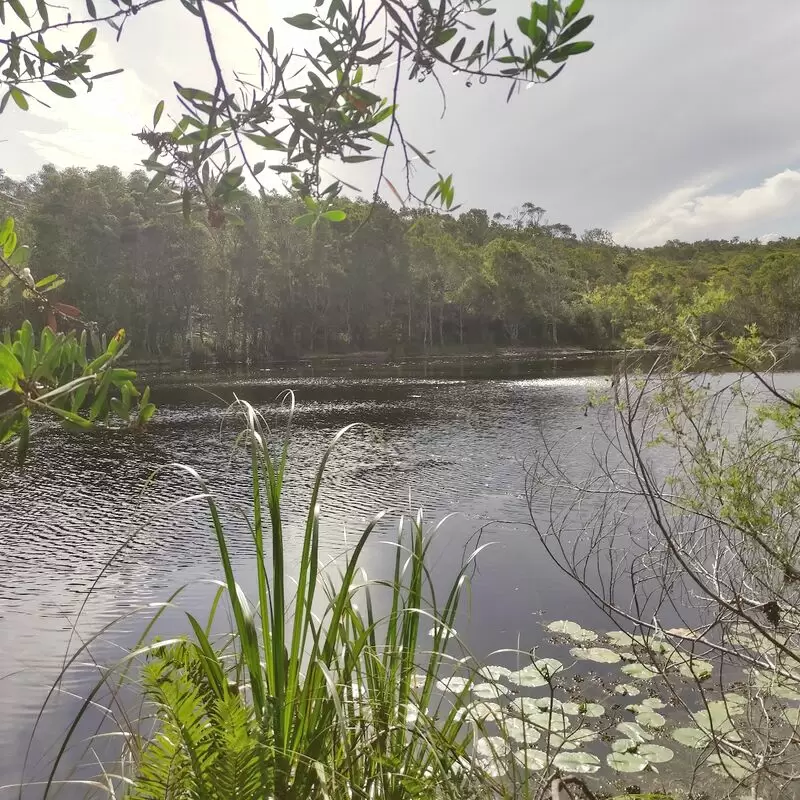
x=626 y=762
x=630 y=730
x=573 y=739
x=489 y=691
x=653 y=703
x=446 y=632
x=651 y=719
x=655 y=753
x=536 y=674
x=620 y=638
x=573 y=630
x=691 y=737
x=639 y=671
x=530 y=759
x=579 y=763
x=696 y=668
x=493 y=673
x=735 y=767
x=481 y=712
x=490 y=755
x=520 y=730
x=601 y=655
x=591 y=709
x=627 y=689
x=454 y=683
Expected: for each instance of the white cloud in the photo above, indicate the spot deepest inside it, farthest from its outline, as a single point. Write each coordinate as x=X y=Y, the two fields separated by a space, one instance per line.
x=692 y=213
x=94 y=128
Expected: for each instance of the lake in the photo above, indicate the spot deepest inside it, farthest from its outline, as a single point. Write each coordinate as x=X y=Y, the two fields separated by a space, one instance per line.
x=449 y=436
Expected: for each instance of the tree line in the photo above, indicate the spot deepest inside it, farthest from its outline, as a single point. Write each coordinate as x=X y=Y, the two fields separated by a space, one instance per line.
x=259 y=286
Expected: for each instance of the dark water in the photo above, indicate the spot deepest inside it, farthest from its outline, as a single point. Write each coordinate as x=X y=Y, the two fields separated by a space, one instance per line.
x=450 y=437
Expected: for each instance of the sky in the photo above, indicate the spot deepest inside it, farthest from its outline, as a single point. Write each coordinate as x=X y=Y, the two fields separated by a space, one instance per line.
x=682 y=122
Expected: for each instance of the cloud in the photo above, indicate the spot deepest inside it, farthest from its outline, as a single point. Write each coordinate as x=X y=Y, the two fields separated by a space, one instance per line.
x=692 y=213
x=94 y=128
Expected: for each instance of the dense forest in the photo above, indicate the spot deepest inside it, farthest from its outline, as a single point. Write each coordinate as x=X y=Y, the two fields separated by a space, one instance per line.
x=404 y=281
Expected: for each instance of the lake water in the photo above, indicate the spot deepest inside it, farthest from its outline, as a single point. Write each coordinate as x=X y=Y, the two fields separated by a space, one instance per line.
x=447 y=436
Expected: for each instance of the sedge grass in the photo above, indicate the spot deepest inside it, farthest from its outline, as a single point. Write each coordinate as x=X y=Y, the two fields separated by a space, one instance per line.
x=310 y=697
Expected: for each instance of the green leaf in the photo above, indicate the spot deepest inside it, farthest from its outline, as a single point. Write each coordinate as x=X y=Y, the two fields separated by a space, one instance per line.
x=486 y=12
x=193 y=95
x=444 y=36
x=335 y=215
x=20 y=11
x=626 y=762
x=573 y=9
x=6 y=229
x=158 y=112
x=573 y=30
x=457 y=50
x=91 y=9
x=572 y=49
x=651 y=719
x=20 y=256
x=601 y=655
x=357 y=159
x=10 y=368
x=41 y=7
x=61 y=89
x=306 y=22
x=267 y=142
x=305 y=220
x=87 y=40
x=18 y=97
x=379 y=137
x=579 y=763
x=74 y=419
x=24 y=439
x=146 y=413
x=691 y=737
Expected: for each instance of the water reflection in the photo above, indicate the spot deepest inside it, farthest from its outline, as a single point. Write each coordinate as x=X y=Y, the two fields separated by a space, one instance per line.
x=446 y=443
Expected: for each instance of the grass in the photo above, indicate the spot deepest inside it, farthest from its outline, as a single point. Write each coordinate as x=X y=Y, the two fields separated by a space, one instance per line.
x=309 y=696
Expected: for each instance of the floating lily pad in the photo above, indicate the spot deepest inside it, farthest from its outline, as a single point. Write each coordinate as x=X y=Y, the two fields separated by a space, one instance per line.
x=573 y=739
x=625 y=746
x=591 y=709
x=481 y=712
x=520 y=730
x=653 y=703
x=696 y=668
x=686 y=632
x=627 y=689
x=620 y=638
x=655 y=753
x=735 y=767
x=418 y=681
x=489 y=691
x=639 y=671
x=691 y=737
x=630 y=730
x=581 y=763
x=446 y=632
x=490 y=755
x=530 y=759
x=573 y=630
x=626 y=762
x=412 y=715
x=792 y=716
x=651 y=719
x=454 y=683
x=602 y=655
x=492 y=673
x=536 y=674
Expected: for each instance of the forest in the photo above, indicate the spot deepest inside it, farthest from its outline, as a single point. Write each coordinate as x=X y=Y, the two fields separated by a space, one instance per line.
x=256 y=286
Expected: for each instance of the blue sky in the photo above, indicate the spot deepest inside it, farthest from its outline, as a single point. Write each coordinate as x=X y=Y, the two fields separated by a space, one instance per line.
x=681 y=123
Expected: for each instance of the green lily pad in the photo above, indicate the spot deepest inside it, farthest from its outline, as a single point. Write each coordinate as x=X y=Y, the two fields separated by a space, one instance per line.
x=493 y=673
x=653 y=703
x=578 y=763
x=655 y=753
x=454 y=684
x=625 y=746
x=651 y=719
x=530 y=759
x=626 y=762
x=735 y=767
x=601 y=655
x=573 y=630
x=573 y=739
x=591 y=709
x=482 y=712
x=691 y=737
x=520 y=730
x=639 y=671
x=536 y=674
x=489 y=691
x=490 y=755
x=696 y=668
x=630 y=730
x=627 y=689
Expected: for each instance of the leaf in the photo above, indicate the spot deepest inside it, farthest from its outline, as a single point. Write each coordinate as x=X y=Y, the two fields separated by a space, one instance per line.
x=639 y=671
x=493 y=673
x=18 y=97
x=267 y=142
x=696 y=668
x=335 y=215
x=20 y=256
x=10 y=368
x=735 y=767
x=655 y=753
x=691 y=737
x=601 y=655
x=457 y=50
x=24 y=434
x=194 y=95
x=571 y=49
x=306 y=22
x=158 y=112
x=573 y=30
x=91 y=9
x=443 y=36
x=68 y=416
x=581 y=763
x=490 y=753
x=489 y=691
x=87 y=40
x=530 y=759
x=486 y=12
x=573 y=630
x=520 y=730
x=20 y=11
x=630 y=730
x=357 y=159
x=651 y=719
x=626 y=762
x=455 y=684
x=61 y=89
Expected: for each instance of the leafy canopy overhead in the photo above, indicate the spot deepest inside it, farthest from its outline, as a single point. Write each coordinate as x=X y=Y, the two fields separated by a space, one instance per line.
x=304 y=106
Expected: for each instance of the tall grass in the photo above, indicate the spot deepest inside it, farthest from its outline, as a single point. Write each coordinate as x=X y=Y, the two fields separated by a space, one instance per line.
x=315 y=693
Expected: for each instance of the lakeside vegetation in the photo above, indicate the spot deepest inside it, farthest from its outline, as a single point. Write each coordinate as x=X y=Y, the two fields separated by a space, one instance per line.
x=404 y=281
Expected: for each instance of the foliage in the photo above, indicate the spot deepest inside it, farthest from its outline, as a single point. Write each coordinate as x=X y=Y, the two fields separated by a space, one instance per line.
x=55 y=374
x=293 y=108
